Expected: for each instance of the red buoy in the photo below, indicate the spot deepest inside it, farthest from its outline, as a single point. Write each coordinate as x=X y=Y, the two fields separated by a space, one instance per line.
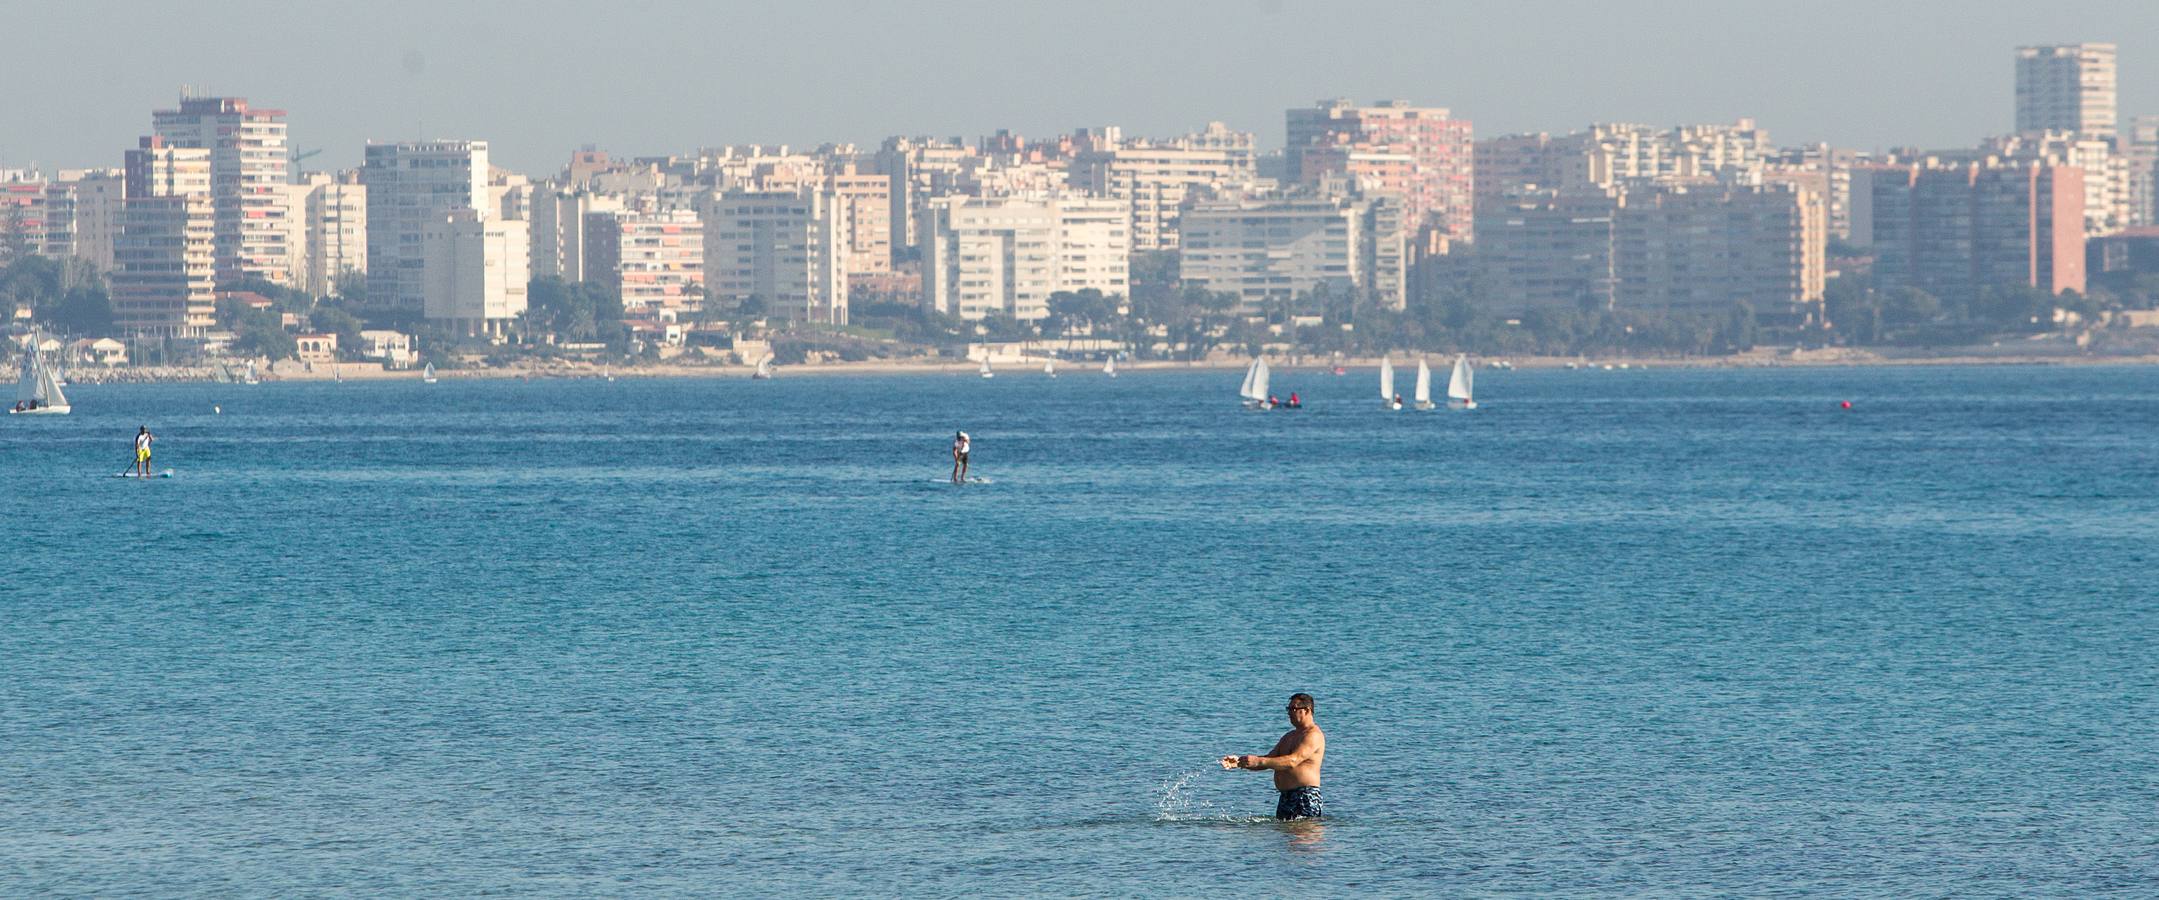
x=1847 y=404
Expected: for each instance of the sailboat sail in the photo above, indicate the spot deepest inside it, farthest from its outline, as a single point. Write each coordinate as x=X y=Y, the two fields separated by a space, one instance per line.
x=1259 y=380
x=1109 y=367
x=1459 y=386
x=1424 y=383
x=32 y=384
x=1049 y=367
x=764 y=368
x=1386 y=378
x=1251 y=373
x=39 y=385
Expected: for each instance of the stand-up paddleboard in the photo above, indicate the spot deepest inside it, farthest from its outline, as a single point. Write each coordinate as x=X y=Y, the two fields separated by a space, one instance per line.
x=165 y=474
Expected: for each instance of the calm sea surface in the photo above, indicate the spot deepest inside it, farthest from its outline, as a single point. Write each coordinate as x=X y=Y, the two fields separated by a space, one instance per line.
x=1632 y=633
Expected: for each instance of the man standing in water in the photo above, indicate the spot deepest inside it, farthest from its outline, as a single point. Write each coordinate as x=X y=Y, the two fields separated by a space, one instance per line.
x=960 y=447
x=1295 y=761
x=142 y=452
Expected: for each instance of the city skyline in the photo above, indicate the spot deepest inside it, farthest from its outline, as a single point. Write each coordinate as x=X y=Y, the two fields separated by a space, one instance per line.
x=668 y=78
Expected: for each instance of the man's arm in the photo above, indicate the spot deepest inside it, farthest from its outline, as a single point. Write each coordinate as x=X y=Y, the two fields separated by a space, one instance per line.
x=1305 y=746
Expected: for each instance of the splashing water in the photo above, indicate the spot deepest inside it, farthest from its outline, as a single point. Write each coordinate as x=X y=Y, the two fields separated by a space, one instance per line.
x=1175 y=802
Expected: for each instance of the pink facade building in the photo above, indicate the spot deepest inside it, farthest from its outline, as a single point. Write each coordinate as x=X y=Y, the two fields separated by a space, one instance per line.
x=1421 y=153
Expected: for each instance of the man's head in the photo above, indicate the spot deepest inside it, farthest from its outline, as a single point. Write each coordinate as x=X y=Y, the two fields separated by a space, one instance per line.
x=1300 y=709
x=144 y=429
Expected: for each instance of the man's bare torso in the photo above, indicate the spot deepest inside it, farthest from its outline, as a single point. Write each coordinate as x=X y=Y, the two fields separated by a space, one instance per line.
x=1304 y=774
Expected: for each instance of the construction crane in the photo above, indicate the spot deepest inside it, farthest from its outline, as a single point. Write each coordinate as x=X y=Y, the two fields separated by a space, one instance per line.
x=293 y=171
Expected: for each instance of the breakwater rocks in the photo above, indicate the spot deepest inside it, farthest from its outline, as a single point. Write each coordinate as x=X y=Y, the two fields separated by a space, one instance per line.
x=148 y=375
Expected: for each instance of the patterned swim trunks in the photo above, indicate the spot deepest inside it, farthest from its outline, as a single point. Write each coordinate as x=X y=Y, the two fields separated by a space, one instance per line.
x=1300 y=803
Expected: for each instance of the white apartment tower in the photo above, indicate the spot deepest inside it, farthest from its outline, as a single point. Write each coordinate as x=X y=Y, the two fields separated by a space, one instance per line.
x=991 y=255
x=336 y=218
x=2066 y=88
x=98 y=200
x=786 y=248
x=475 y=271
x=412 y=188
x=248 y=166
x=559 y=239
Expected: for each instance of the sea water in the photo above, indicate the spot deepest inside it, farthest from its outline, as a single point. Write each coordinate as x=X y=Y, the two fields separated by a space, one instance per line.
x=1653 y=633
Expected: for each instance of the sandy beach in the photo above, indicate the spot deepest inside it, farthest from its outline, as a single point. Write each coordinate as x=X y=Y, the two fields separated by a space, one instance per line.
x=1761 y=358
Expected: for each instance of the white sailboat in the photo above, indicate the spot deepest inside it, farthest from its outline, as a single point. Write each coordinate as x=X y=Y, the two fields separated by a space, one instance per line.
x=1049 y=367
x=1109 y=366
x=764 y=370
x=1387 y=396
x=1254 y=390
x=1459 y=395
x=250 y=378
x=427 y=375
x=1424 y=385
x=37 y=392
x=607 y=372
x=986 y=373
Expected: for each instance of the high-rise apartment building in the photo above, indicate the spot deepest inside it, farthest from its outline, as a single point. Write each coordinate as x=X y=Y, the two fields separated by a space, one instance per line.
x=2066 y=88
x=863 y=201
x=921 y=169
x=2107 y=189
x=1701 y=248
x=787 y=249
x=2140 y=177
x=559 y=238
x=1549 y=248
x=23 y=218
x=1278 y=249
x=1608 y=154
x=248 y=174
x=412 y=188
x=97 y=196
x=473 y=273
x=1423 y=153
x=164 y=278
x=1695 y=247
x=335 y=212
x=1956 y=229
x=1007 y=255
x=1157 y=178
x=1825 y=170
x=655 y=261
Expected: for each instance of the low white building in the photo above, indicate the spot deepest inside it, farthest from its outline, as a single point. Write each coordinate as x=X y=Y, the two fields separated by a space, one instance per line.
x=394 y=348
x=103 y=351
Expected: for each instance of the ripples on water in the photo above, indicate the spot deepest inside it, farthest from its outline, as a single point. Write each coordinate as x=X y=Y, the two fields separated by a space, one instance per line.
x=1616 y=633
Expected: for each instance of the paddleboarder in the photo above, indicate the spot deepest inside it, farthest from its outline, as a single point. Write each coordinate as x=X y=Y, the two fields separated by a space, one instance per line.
x=961 y=445
x=143 y=439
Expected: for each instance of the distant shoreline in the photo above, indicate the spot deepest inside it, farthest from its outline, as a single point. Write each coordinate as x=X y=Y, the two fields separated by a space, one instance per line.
x=1832 y=358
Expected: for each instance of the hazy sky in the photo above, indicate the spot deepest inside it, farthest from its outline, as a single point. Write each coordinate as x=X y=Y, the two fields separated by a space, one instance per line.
x=540 y=77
